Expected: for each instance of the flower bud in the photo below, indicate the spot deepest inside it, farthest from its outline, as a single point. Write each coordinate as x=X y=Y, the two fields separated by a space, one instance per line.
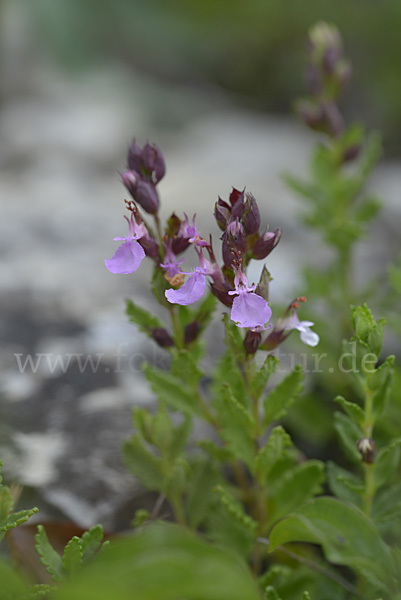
x=191 y=332
x=367 y=449
x=252 y=341
x=266 y=243
x=262 y=288
x=251 y=217
x=146 y=196
x=150 y=246
x=153 y=162
x=134 y=160
x=222 y=213
x=325 y=45
x=311 y=114
x=162 y=337
x=130 y=180
x=220 y=290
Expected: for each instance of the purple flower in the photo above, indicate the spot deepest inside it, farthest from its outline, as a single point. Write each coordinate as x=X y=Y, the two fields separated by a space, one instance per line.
x=249 y=309
x=171 y=263
x=190 y=232
x=308 y=337
x=130 y=254
x=194 y=287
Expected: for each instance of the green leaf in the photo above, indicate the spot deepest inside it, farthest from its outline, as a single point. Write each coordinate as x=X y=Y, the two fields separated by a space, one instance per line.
x=353 y=410
x=203 y=478
x=386 y=463
x=387 y=504
x=261 y=378
x=283 y=395
x=48 y=556
x=367 y=330
x=237 y=426
x=347 y=536
x=274 y=450
x=236 y=510
x=349 y=433
x=12 y=584
x=271 y=594
x=345 y=485
x=233 y=338
x=162 y=562
x=143 y=464
x=184 y=368
x=228 y=373
x=306 y=596
x=72 y=557
x=382 y=380
x=91 y=541
x=141 y=317
x=171 y=390
x=298 y=485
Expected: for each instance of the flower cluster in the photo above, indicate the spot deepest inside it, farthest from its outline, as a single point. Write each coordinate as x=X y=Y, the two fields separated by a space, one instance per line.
x=241 y=242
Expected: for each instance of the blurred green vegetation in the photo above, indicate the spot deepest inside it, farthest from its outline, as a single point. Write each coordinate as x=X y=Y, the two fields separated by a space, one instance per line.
x=252 y=49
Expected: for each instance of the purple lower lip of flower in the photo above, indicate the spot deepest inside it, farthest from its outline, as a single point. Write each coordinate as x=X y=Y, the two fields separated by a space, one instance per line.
x=250 y=310
x=127 y=258
x=190 y=292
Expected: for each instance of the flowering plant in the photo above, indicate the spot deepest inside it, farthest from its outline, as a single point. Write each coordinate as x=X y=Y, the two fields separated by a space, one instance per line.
x=254 y=514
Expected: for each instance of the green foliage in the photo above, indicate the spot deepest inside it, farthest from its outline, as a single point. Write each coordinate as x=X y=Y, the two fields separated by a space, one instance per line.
x=8 y=519
x=77 y=552
x=162 y=562
x=347 y=536
x=283 y=395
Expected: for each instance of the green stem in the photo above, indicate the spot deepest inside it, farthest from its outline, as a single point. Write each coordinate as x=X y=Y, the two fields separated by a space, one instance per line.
x=179 y=341
x=159 y=236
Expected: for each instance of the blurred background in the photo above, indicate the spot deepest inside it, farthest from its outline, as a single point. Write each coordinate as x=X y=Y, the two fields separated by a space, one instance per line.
x=212 y=83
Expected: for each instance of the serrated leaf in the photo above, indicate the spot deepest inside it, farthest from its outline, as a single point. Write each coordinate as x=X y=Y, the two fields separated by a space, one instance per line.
x=221 y=453
x=386 y=463
x=185 y=368
x=274 y=450
x=72 y=557
x=6 y=503
x=271 y=594
x=348 y=537
x=236 y=510
x=203 y=479
x=48 y=556
x=297 y=486
x=236 y=426
x=143 y=464
x=382 y=380
x=171 y=390
x=17 y=518
x=233 y=338
x=387 y=504
x=166 y=562
x=91 y=541
x=283 y=395
x=349 y=433
x=261 y=378
x=353 y=410
x=345 y=485
x=143 y=318
x=228 y=373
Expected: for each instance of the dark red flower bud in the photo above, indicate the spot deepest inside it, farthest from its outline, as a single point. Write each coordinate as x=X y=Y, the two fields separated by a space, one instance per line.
x=266 y=243
x=222 y=213
x=179 y=244
x=146 y=196
x=367 y=449
x=351 y=152
x=153 y=162
x=220 y=290
x=150 y=246
x=191 y=332
x=130 y=180
x=251 y=217
x=238 y=208
x=134 y=160
x=162 y=337
x=311 y=113
x=235 y=196
x=252 y=341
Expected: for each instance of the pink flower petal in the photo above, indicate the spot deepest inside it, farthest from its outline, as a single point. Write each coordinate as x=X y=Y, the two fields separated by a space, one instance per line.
x=127 y=258
x=250 y=310
x=190 y=292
